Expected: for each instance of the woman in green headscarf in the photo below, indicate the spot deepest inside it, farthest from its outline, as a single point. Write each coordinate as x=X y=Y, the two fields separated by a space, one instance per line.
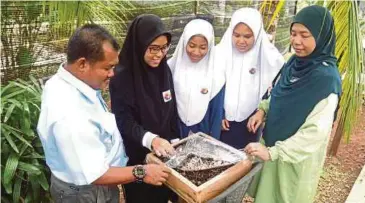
x=299 y=114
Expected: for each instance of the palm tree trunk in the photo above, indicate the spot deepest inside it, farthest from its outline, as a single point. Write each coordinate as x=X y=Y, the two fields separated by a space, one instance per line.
x=350 y=59
x=336 y=141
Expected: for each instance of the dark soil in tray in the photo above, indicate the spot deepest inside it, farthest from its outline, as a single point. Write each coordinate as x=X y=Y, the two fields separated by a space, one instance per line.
x=200 y=177
x=199 y=170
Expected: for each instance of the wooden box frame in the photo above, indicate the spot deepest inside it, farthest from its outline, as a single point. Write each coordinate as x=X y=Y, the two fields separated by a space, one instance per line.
x=210 y=189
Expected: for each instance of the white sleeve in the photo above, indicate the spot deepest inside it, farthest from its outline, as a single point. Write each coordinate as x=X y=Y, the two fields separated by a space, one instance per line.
x=147 y=140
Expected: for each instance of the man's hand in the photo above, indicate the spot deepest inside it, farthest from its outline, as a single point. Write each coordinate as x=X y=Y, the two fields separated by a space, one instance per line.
x=162 y=147
x=156 y=174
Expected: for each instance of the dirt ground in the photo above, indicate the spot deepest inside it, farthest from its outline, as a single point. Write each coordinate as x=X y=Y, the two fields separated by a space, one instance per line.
x=340 y=172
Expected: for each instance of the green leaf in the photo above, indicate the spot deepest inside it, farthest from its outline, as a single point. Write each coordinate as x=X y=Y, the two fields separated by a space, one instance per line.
x=29 y=168
x=43 y=181
x=2 y=107
x=9 y=171
x=10 y=167
x=35 y=187
x=34 y=155
x=34 y=81
x=23 y=147
x=17 y=188
x=24 y=123
x=9 y=112
x=13 y=94
x=5 y=148
x=15 y=132
x=3 y=89
x=26 y=111
x=29 y=197
x=21 y=139
x=8 y=187
x=10 y=141
x=38 y=144
x=16 y=102
x=36 y=84
x=36 y=106
x=27 y=88
x=10 y=128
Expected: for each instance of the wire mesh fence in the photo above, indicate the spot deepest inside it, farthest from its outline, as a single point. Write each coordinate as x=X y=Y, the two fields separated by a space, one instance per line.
x=35 y=34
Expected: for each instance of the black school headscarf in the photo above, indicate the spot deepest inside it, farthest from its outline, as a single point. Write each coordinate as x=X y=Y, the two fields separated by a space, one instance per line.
x=140 y=86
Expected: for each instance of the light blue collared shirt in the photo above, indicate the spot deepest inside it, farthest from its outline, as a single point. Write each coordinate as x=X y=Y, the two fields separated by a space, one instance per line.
x=80 y=137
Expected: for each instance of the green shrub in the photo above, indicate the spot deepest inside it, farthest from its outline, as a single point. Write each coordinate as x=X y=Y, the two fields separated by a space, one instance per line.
x=23 y=170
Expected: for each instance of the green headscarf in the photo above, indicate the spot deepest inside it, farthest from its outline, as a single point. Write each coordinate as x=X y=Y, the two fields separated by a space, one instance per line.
x=305 y=81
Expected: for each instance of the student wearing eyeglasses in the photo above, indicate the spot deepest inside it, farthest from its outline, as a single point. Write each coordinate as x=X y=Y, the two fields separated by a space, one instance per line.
x=143 y=101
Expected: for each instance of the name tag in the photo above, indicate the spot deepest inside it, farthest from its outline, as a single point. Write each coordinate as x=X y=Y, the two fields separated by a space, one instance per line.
x=166 y=95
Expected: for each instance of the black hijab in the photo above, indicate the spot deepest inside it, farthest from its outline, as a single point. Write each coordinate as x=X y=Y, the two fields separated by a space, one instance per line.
x=140 y=87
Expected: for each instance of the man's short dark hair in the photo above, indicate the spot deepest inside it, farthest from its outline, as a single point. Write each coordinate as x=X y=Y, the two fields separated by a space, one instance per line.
x=87 y=42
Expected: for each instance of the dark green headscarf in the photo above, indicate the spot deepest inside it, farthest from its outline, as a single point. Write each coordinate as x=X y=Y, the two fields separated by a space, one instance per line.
x=305 y=81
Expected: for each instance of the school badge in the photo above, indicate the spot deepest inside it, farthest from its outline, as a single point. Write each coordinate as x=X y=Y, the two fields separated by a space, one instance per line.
x=166 y=95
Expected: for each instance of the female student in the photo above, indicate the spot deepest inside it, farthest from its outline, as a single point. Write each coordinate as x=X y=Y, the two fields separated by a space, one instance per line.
x=251 y=63
x=198 y=84
x=143 y=101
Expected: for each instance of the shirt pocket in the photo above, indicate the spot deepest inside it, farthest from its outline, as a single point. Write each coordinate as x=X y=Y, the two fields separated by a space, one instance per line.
x=109 y=127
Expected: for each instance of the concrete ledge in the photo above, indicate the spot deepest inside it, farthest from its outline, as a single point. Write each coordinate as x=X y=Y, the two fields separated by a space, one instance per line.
x=357 y=194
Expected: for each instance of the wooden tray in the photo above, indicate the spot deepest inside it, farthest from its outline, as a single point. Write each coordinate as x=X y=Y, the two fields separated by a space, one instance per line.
x=210 y=189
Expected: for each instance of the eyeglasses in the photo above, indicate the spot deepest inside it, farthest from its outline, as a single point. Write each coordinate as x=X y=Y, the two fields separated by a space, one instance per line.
x=154 y=49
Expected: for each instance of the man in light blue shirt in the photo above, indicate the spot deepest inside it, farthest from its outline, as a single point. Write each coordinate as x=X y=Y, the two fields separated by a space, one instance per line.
x=82 y=144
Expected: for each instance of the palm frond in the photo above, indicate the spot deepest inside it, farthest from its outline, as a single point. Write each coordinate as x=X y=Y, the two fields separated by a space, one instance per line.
x=271 y=10
x=350 y=54
x=66 y=16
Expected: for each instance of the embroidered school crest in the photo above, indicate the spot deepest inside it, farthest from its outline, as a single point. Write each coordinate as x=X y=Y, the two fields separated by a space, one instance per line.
x=166 y=95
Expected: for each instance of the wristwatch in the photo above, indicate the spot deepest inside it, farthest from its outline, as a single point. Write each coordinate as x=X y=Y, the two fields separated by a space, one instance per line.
x=139 y=173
